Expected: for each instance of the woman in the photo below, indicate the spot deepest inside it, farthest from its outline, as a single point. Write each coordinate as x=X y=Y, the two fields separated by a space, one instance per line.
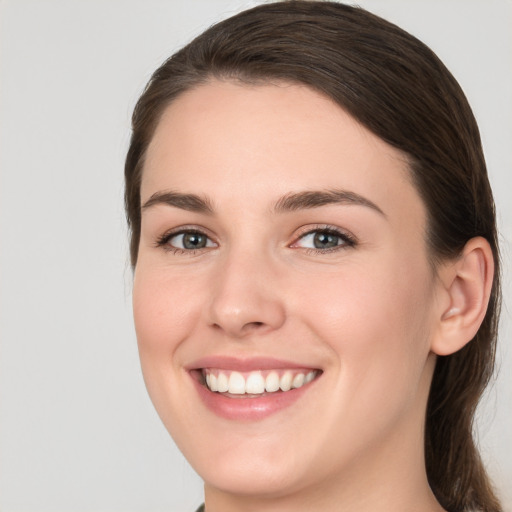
x=316 y=285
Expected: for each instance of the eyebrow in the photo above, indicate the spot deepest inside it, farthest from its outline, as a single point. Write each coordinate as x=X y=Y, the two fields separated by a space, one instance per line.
x=304 y=200
x=189 y=202
x=314 y=199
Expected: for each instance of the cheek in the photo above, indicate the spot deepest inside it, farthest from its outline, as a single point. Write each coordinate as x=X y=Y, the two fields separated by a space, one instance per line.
x=375 y=319
x=376 y=324
x=165 y=310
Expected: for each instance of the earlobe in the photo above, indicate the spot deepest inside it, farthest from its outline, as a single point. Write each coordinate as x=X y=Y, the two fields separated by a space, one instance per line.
x=467 y=283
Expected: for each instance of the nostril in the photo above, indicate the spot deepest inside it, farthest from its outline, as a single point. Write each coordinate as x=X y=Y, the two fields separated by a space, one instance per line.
x=253 y=325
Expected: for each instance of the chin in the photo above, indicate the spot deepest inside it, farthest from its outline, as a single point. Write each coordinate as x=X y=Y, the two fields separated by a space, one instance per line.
x=251 y=478
x=266 y=466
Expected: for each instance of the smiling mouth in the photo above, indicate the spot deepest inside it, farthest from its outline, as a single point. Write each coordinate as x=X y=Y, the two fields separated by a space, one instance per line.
x=257 y=383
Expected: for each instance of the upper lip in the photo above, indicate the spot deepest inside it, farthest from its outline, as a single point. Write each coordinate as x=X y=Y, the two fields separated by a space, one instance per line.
x=246 y=365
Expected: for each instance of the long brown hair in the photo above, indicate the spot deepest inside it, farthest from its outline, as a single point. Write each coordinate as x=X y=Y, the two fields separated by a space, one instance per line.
x=395 y=86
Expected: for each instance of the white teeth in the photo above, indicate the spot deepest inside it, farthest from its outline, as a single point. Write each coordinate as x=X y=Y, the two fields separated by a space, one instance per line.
x=254 y=383
x=272 y=382
x=236 y=384
x=222 y=383
x=213 y=382
x=309 y=377
x=286 y=381
x=298 y=380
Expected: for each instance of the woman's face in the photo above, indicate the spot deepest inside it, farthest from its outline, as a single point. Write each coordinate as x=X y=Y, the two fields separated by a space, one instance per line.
x=282 y=242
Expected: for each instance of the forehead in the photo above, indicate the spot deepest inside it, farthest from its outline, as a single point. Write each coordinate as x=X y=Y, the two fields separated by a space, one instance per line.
x=263 y=141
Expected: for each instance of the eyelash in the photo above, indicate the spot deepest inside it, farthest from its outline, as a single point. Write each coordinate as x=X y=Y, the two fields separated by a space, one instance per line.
x=347 y=240
x=163 y=241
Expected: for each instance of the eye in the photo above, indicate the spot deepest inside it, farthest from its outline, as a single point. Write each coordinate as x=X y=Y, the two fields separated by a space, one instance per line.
x=325 y=239
x=190 y=240
x=186 y=240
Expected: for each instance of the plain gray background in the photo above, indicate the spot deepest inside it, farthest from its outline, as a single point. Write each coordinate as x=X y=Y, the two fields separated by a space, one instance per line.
x=77 y=431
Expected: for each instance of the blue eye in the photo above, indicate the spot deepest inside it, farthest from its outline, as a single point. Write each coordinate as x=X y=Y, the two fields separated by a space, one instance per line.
x=324 y=239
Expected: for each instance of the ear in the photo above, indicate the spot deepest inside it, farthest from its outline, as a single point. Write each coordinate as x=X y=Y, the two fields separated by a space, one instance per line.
x=466 y=284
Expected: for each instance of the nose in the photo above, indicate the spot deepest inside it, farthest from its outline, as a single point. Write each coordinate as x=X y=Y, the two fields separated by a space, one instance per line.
x=246 y=297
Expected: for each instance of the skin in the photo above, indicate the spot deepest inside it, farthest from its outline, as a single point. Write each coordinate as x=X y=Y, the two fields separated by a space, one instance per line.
x=367 y=315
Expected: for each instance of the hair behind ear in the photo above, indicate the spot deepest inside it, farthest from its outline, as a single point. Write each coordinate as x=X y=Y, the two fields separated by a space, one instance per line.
x=464 y=344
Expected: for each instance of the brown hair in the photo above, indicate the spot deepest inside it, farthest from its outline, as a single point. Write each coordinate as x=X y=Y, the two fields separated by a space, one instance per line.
x=395 y=86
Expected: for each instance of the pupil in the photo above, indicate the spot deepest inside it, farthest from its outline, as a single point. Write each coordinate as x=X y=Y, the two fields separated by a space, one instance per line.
x=194 y=241
x=325 y=240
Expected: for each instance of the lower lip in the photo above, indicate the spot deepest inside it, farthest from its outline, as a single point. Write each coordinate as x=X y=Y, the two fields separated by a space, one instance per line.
x=249 y=409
